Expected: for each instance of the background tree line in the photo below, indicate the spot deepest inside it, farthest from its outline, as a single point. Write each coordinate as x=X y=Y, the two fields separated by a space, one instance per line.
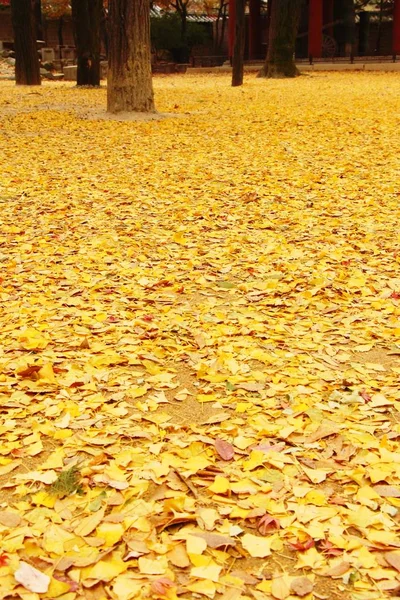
x=129 y=40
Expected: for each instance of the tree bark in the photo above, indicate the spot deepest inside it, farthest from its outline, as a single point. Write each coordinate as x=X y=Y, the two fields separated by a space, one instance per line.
x=349 y=25
x=285 y=17
x=129 y=74
x=86 y=17
x=238 y=46
x=37 y=5
x=60 y=33
x=27 y=70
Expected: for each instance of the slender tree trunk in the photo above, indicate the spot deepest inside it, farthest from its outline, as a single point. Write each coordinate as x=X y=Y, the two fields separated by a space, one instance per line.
x=268 y=19
x=238 y=46
x=104 y=29
x=60 y=33
x=37 y=5
x=349 y=25
x=285 y=17
x=185 y=53
x=223 y=26
x=86 y=17
x=129 y=74
x=27 y=70
x=378 y=39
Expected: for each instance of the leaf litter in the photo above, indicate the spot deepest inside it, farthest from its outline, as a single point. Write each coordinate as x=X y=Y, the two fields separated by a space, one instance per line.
x=199 y=344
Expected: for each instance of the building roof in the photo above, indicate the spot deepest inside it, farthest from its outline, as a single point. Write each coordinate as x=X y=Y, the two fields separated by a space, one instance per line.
x=156 y=11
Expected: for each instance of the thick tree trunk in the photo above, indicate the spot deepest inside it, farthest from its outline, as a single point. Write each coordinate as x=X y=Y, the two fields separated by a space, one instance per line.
x=27 y=70
x=86 y=16
x=238 y=46
x=285 y=17
x=129 y=74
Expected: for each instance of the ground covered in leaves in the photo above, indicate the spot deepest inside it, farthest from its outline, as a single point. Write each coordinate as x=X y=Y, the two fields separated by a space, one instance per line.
x=199 y=342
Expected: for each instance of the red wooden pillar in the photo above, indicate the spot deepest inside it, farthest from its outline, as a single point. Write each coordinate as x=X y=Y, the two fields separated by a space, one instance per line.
x=232 y=26
x=255 y=29
x=329 y=17
x=315 y=23
x=396 y=27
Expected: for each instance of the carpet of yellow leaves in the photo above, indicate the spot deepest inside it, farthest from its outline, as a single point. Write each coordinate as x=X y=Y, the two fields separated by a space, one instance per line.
x=199 y=330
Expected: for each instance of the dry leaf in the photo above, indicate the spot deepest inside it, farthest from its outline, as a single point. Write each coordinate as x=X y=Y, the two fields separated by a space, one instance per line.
x=338 y=570
x=280 y=587
x=301 y=586
x=393 y=558
x=257 y=547
x=32 y=579
x=224 y=449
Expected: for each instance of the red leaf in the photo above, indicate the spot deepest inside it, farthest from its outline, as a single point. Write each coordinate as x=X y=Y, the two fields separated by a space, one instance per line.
x=112 y=319
x=395 y=295
x=267 y=524
x=328 y=549
x=224 y=449
x=365 y=396
x=161 y=586
x=302 y=545
x=3 y=560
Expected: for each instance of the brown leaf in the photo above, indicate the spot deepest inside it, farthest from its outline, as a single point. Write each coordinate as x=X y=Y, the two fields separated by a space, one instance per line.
x=393 y=558
x=267 y=523
x=224 y=449
x=337 y=571
x=178 y=556
x=301 y=586
x=215 y=540
x=387 y=491
x=9 y=519
x=161 y=586
x=251 y=386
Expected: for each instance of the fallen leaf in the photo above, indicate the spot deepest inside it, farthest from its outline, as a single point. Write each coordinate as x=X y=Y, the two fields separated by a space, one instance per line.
x=301 y=586
x=225 y=450
x=257 y=547
x=32 y=579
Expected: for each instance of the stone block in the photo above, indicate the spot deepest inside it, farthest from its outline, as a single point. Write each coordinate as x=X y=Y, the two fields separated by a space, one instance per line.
x=68 y=53
x=70 y=73
x=48 y=55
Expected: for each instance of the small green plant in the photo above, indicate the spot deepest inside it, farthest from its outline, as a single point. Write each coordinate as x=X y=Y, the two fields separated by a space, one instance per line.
x=67 y=483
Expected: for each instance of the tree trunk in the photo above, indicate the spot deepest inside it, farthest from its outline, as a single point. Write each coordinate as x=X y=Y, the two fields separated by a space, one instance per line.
x=349 y=25
x=37 y=7
x=285 y=17
x=60 y=33
x=104 y=29
x=238 y=46
x=223 y=27
x=378 y=39
x=27 y=70
x=129 y=74
x=86 y=17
